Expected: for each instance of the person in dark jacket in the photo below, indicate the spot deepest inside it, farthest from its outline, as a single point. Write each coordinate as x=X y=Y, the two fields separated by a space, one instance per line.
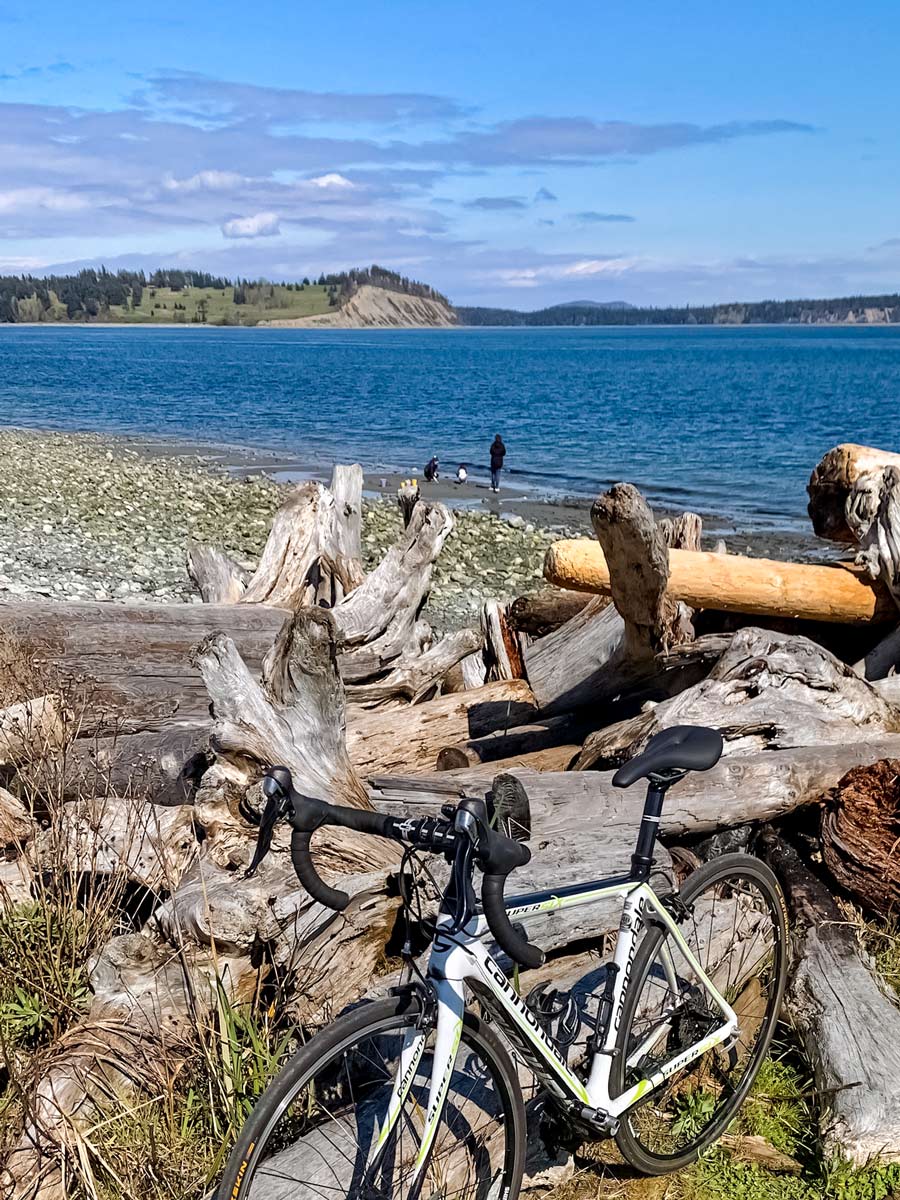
x=498 y=453
x=432 y=469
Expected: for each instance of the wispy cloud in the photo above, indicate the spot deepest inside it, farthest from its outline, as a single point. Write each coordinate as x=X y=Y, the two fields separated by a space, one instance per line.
x=342 y=177
x=496 y=203
x=264 y=224
x=221 y=102
x=596 y=218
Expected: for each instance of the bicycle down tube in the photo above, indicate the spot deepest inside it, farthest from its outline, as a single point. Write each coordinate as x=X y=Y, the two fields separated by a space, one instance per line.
x=461 y=958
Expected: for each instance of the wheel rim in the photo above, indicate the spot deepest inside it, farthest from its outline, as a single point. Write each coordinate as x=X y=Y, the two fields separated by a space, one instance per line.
x=321 y=1144
x=733 y=929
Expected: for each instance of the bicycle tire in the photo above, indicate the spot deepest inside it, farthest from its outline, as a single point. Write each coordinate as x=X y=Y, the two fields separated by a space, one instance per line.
x=727 y=871
x=246 y=1177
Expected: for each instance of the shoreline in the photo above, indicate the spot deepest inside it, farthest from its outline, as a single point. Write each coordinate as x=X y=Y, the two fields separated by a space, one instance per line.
x=91 y=516
x=563 y=514
x=567 y=515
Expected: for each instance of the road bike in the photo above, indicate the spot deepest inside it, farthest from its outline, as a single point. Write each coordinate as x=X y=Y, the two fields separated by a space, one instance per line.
x=419 y=1095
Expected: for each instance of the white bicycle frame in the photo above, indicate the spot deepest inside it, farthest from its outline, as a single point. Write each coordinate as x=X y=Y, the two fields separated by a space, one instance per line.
x=460 y=958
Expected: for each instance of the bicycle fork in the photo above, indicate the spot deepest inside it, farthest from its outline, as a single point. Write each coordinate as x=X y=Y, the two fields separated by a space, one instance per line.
x=448 y=1034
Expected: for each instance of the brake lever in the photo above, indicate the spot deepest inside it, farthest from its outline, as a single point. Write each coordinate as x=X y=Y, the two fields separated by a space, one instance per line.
x=277 y=806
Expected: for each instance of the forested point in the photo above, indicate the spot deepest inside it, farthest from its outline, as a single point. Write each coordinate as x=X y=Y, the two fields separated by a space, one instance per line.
x=188 y=297
x=198 y=297
x=880 y=310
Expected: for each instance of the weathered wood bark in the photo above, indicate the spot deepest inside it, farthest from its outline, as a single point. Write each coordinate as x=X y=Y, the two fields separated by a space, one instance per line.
x=152 y=845
x=218 y=578
x=876 y=521
x=522 y=739
x=294 y=716
x=33 y=729
x=850 y=1032
x=635 y=549
x=163 y=767
x=502 y=654
x=408 y=498
x=859 y=835
x=732 y=583
x=299 y=563
x=767 y=690
x=545 y=611
x=376 y=745
x=577 y=663
x=17 y=826
x=412 y=678
x=377 y=621
x=607 y=649
x=843 y=474
x=126 y=667
x=347 y=488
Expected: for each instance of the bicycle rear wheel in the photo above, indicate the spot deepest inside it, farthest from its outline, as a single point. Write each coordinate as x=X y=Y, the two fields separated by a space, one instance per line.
x=735 y=927
x=313 y=1134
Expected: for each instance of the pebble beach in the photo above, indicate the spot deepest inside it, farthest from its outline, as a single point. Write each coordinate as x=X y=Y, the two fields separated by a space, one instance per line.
x=87 y=517
x=93 y=517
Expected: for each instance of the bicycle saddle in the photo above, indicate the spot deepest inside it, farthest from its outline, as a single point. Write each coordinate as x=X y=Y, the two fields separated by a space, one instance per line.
x=680 y=748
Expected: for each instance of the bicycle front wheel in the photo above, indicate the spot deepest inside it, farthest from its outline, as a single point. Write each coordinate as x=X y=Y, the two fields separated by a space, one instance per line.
x=316 y=1132
x=734 y=925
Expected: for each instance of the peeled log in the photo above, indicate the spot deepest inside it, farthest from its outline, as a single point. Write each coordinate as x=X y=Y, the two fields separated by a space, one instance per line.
x=859 y=835
x=732 y=583
x=833 y=480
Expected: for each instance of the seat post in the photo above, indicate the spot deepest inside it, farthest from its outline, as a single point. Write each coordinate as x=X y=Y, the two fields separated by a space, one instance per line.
x=658 y=785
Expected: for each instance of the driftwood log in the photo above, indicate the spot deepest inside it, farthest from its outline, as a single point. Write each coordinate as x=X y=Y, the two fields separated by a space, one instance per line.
x=547 y=734
x=378 y=743
x=732 y=583
x=545 y=611
x=768 y=690
x=751 y=787
x=218 y=578
x=605 y=649
x=859 y=835
x=849 y=1027
x=414 y=677
x=837 y=481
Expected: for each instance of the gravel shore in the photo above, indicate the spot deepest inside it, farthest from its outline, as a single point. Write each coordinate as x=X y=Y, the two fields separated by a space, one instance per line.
x=87 y=517
x=92 y=517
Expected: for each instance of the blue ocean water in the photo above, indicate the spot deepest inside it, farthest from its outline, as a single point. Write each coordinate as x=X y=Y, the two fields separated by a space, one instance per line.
x=724 y=420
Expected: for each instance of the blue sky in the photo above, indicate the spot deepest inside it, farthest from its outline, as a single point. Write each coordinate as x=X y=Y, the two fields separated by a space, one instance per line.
x=508 y=153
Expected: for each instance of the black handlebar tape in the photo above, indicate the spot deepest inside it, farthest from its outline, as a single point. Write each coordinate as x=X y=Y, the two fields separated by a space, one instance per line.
x=309 y=876
x=309 y=815
x=517 y=947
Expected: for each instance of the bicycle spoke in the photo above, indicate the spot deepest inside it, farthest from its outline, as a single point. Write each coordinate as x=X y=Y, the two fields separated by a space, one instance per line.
x=731 y=930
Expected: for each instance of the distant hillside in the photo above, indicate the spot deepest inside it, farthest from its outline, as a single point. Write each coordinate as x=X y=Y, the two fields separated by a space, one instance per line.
x=378 y=308
x=616 y=304
x=850 y=310
x=197 y=298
